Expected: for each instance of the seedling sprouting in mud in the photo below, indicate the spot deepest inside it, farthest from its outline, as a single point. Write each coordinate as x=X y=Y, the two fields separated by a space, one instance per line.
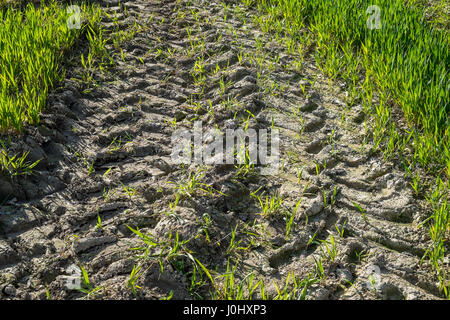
x=372 y=282
x=320 y=272
x=270 y=205
x=88 y=68
x=223 y=86
x=289 y=218
x=286 y=293
x=317 y=165
x=193 y=184
x=169 y=297
x=416 y=184
x=343 y=118
x=91 y=168
x=86 y=284
x=172 y=123
x=248 y=119
x=170 y=52
x=15 y=165
x=129 y=191
x=329 y=248
x=306 y=187
x=293 y=158
x=117 y=142
x=99 y=222
x=362 y=255
x=341 y=230
x=235 y=245
x=217 y=69
x=107 y=172
x=438 y=223
x=199 y=67
x=205 y=224
x=334 y=196
x=303 y=87
x=89 y=165
x=211 y=108
x=123 y=54
x=362 y=210
x=107 y=194
x=134 y=276
x=233 y=242
x=311 y=239
x=247 y=166
x=172 y=207
x=299 y=175
x=240 y=57
x=233 y=288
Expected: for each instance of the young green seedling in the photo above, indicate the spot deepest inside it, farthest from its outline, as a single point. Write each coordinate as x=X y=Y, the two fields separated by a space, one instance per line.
x=361 y=209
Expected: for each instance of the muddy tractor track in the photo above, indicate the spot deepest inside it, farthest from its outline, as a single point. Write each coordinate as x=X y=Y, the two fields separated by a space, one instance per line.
x=107 y=166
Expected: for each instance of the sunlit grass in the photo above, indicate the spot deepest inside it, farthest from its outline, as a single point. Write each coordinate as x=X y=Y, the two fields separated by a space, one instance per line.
x=398 y=72
x=405 y=62
x=33 y=43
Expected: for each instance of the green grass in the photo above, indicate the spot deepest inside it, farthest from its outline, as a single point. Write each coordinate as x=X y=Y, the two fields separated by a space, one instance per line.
x=405 y=63
x=438 y=228
x=33 y=42
x=87 y=287
x=16 y=165
x=232 y=288
x=437 y=12
x=171 y=250
x=399 y=73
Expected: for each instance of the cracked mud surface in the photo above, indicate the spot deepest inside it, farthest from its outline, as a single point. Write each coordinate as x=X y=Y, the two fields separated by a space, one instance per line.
x=125 y=126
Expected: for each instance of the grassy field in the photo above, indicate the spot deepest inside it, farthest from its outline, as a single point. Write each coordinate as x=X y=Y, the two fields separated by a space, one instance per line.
x=397 y=55
x=405 y=62
x=33 y=42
